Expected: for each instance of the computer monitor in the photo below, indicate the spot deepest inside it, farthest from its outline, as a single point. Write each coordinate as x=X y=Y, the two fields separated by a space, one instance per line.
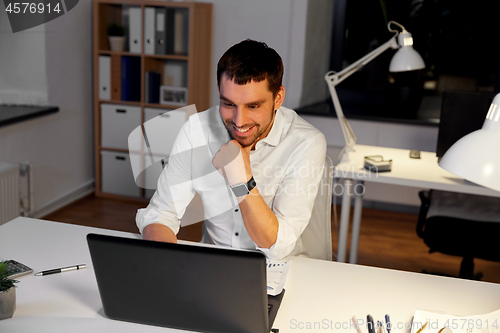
x=462 y=112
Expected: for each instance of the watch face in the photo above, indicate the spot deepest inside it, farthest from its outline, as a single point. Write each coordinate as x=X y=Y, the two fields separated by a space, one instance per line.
x=240 y=190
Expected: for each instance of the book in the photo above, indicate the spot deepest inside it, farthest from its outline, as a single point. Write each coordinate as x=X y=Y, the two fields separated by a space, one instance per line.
x=154 y=83
x=146 y=87
x=131 y=79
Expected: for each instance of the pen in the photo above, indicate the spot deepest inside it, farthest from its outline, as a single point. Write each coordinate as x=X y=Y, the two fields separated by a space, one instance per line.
x=60 y=270
x=371 y=325
x=355 y=322
x=380 y=327
x=420 y=330
x=388 y=323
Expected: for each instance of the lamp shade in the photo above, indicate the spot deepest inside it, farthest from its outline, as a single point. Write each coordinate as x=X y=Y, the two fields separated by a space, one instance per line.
x=476 y=156
x=406 y=58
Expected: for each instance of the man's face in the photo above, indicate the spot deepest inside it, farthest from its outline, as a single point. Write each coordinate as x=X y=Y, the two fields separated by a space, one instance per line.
x=248 y=110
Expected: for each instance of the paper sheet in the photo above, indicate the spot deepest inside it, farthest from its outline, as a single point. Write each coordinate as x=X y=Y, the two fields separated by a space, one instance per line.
x=485 y=323
x=276 y=276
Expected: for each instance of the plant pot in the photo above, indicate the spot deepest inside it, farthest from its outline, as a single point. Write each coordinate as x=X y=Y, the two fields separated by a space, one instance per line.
x=116 y=43
x=7 y=303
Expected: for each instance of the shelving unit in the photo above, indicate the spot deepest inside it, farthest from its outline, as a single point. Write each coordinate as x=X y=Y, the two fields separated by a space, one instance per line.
x=120 y=102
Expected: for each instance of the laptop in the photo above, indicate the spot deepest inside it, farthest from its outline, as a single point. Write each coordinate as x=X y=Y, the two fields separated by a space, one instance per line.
x=187 y=287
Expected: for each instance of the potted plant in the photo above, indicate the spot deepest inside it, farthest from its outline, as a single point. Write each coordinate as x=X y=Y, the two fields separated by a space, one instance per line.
x=7 y=292
x=116 y=37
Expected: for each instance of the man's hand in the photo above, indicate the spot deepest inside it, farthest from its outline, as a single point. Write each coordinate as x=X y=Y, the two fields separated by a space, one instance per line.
x=233 y=162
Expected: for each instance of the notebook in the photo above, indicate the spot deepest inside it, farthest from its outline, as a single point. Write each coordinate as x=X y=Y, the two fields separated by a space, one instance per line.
x=180 y=286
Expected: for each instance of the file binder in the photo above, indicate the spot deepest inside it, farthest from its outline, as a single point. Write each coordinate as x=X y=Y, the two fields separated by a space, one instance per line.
x=181 y=32
x=152 y=83
x=149 y=30
x=160 y=36
x=131 y=79
x=135 y=29
x=105 y=77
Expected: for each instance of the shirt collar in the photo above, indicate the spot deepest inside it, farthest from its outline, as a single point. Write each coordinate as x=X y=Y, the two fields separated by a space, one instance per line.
x=274 y=135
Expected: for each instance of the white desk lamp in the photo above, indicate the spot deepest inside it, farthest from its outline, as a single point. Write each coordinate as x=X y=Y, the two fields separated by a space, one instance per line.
x=405 y=59
x=476 y=156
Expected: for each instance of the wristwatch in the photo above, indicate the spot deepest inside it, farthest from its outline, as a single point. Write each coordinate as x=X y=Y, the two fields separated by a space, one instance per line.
x=243 y=189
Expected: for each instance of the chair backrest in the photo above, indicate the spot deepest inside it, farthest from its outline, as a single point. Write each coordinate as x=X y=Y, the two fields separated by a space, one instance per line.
x=317 y=237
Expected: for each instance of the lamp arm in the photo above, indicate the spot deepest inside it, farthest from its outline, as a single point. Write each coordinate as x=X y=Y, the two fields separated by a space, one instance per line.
x=333 y=79
x=355 y=66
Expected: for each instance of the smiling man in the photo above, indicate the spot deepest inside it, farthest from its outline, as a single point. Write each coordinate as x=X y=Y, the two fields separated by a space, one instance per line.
x=255 y=163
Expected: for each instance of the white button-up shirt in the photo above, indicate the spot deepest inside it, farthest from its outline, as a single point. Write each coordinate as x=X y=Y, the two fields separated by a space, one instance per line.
x=287 y=165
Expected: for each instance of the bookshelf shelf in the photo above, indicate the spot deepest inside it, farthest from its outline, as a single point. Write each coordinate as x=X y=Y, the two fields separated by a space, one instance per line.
x=127 y=81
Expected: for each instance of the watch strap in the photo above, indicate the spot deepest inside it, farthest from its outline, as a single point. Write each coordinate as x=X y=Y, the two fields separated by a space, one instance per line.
x=243 y=189
x=251 y=184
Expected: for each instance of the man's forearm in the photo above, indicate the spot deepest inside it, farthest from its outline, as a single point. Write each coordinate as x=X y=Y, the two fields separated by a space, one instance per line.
x=260 y=221
x=159 y=232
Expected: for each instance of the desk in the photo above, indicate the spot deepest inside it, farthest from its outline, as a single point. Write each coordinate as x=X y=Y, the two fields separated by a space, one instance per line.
x=317 y=291
x=424 y=173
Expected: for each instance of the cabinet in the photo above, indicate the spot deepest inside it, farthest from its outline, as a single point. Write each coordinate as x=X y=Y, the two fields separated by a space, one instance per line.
x=165 y=64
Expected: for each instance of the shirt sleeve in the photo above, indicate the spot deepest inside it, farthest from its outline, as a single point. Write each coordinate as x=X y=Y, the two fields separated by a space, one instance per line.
x=295 y=196
x=174 y=190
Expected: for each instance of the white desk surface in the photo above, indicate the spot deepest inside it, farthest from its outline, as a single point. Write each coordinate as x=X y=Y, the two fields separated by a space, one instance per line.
x=424 y=172
x=316 y=291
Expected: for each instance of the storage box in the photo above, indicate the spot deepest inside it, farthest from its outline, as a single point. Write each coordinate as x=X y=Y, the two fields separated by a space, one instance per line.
x=116 y=173
x=161 y=127
x=117 y=122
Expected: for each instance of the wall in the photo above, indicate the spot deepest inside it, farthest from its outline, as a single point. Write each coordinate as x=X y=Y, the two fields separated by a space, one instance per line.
x=317 y=61
x=22 y=65
x=58 y=146
x=279 y=23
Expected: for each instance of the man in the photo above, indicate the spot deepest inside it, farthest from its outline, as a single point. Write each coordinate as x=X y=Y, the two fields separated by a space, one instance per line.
x=255 y=164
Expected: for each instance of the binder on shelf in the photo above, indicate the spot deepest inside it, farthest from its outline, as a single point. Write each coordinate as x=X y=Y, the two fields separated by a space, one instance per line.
x=149 y=30
x=131 y=79
x=154 y=87
x=146 y=87
x=160 y=36
x=105 y=77
x=181 y=31
x=169 y=30
x=152 y=82
x=135 y=29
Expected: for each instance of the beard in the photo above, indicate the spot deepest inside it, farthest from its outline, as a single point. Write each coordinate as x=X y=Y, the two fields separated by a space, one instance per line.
x=246 y=141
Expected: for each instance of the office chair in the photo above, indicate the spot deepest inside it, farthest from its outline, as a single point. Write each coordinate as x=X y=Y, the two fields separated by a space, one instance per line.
x=317 y=236
x=459 y=224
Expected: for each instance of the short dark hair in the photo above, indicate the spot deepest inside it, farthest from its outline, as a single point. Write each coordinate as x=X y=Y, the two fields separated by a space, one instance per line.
x=251 y=60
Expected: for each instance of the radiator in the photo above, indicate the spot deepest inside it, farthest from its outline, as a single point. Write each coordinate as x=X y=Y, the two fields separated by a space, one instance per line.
x=9 y=192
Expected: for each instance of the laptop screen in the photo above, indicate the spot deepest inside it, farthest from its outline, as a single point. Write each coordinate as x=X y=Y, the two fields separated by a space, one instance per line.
x=181 y=286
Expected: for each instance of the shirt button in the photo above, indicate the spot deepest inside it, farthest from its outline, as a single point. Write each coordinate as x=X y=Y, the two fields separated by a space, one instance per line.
x=236 y=233
x=236 y=210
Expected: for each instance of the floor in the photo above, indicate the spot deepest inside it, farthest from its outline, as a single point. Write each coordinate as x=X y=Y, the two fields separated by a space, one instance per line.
x=387 y=239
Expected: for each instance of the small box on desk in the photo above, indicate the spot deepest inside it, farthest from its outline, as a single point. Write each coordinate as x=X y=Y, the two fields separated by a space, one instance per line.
x=377 y=163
